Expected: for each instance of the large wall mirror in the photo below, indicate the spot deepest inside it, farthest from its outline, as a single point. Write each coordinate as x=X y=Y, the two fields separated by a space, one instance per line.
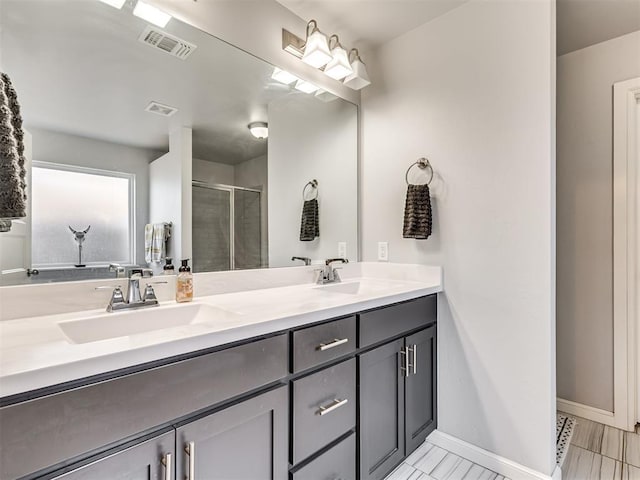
x=139 y=148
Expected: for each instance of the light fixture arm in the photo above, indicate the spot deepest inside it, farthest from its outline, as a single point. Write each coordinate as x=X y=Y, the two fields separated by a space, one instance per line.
x=334 y=36
x=357 y=55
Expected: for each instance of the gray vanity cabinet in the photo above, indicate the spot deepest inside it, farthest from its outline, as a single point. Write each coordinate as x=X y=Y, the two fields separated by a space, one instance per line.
x=149 y=460
x=245 y=441
x=381 y=410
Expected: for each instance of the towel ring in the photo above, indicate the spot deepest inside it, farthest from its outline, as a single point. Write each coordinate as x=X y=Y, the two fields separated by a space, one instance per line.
x=422 y=164
x=313 y=184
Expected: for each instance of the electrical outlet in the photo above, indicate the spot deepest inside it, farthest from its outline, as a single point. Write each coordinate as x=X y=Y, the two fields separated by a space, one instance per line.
x=383 y=251
x=342 y=249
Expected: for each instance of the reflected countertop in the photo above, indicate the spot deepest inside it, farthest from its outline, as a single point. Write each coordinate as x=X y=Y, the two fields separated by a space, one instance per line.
x=37 y=352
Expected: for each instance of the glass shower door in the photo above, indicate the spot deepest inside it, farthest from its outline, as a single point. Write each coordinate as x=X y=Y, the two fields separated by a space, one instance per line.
x=211 y=235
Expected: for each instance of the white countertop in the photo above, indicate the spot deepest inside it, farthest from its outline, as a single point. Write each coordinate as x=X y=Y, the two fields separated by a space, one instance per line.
x=36 y=353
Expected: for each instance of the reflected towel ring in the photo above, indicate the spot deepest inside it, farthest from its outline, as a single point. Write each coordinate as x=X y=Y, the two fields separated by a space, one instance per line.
x=422 y=164
x=313 y=184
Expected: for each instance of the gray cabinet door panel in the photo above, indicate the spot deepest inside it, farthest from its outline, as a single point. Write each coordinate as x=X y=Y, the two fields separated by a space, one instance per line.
x=326 y=388
x=140 y=462
x=247 y=441
x=337 y=463
x=78 y=421
x=420 y=389
x=379 y=325
x=314 y=345
x=381 y=411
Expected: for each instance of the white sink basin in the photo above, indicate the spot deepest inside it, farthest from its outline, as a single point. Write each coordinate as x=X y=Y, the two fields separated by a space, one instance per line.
x=353 y=288
x=122 y=324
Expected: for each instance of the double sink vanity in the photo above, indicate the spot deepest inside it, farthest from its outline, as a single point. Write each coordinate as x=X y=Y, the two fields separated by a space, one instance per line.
x=299 y=381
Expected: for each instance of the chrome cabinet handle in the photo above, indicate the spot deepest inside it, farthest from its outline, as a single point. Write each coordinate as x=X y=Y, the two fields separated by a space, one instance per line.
x=190 y=450
x=406 y=368
x=330 y=408
x=414 y=351
x=166 y=462
x=336 y=342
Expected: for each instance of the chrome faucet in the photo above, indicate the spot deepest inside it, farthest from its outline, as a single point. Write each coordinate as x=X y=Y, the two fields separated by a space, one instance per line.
x=306 y=260
x=329 y=274
x=134 y=299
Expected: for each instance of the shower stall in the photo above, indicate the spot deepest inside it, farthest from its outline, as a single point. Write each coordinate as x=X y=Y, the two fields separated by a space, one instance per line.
x=227 y=227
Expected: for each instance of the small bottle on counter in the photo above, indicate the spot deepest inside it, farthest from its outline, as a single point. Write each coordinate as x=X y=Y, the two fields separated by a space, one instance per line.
x=168 y=268
x=184 y=283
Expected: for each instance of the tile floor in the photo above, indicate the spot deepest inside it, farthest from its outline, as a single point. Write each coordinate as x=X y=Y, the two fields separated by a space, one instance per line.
x=429 y=462
x=599 y=452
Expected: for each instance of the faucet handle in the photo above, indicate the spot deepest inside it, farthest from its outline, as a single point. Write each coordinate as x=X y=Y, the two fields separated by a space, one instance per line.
x=117 y=298
x=149 y=292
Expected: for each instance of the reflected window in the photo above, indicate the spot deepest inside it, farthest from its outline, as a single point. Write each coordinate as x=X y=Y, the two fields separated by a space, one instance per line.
x=66 y=196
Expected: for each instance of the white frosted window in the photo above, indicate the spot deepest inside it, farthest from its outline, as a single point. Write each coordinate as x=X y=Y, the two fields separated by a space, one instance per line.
x=79 y=198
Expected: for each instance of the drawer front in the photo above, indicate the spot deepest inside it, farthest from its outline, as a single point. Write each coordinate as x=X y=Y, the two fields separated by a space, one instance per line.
x=49 y=430
x=337 y=463
x=324 y=407
x=384 y=323
x=315 y=345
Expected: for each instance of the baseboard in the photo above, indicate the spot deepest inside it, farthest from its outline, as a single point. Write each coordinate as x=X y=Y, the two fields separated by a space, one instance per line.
x=498 y=464
x=585 y=411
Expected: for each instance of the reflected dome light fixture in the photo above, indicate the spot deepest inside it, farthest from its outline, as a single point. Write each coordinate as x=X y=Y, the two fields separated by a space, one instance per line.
x=259 y=130
x=316 y=47
x=151 y=14
x=359 y=78
x=338 y=67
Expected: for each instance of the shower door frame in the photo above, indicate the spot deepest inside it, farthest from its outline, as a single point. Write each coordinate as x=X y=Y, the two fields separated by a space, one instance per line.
x=232 y=234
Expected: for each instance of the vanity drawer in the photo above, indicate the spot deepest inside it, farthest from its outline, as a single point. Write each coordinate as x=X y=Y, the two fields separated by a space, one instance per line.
x=338 y=462
x=315 y=345
x=387 y=322
x=49 y=430
x=324 y=407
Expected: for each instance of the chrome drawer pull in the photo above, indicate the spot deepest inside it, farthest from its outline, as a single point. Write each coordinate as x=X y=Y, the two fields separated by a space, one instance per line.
x=190 y=450
x=335 y=404
x=166 y=462
x=326 y=346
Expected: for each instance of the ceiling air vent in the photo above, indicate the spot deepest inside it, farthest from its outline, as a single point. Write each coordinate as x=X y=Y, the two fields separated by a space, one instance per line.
x=160 y=109
x=170 y=44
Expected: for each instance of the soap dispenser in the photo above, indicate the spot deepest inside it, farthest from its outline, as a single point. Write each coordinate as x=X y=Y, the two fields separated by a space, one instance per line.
x=184 y=283
x=168 y=268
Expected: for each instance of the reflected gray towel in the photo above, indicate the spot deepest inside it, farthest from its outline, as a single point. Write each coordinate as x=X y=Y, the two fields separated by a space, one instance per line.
x=309 y=224
x=417 y=212
x=12 y=160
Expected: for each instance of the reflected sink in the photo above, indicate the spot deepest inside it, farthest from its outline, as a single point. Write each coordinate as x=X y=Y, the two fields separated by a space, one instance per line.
x=353 y=288
x=122 y=324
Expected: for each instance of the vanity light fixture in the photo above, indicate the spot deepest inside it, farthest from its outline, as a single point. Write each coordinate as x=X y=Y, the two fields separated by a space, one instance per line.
x=114 y=3
x=259 y=129
x=359 y=78
x=283 y=76
x=338 y=67
x=306 y=87
x=316 y=47
x=151 y=14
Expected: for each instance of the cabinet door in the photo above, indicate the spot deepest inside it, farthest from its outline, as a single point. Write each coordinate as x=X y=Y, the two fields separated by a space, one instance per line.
x=245 y=441
x=420 y=393
x=381 y=411
x=150 y=460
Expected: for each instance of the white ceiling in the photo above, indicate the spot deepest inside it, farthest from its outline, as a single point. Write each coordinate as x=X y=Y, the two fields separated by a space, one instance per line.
x=369 y=23
x=582 y=23
x=78 y=68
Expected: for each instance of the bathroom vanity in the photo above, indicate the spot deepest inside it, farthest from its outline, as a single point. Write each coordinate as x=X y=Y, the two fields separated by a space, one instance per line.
x=313 y=396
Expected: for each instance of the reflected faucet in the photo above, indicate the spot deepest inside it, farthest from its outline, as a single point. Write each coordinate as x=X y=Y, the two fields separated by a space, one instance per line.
x=306 y=260
x=118 y=269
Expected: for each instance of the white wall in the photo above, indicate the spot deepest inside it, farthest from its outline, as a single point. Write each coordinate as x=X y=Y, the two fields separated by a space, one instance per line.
x=170 y=192
x=212 y=172
x=585 y=224
x=309 y=139
x=56 y=147
x=473 y=91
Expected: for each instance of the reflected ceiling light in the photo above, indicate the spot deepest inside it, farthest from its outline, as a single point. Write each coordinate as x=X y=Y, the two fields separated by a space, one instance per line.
x=259 y=129
x=306 y=87
x=283 y=76
x=316 y=47
x=325 y=96
x=338 y=67
x=151 y=14
x=359 y=78
x=114 y=3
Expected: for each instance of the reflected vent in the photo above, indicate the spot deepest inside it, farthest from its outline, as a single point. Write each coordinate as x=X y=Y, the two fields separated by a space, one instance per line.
x=170 y=44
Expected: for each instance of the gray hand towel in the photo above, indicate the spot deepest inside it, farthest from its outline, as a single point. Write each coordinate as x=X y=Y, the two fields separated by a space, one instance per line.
x=417 y=212
x=12 y=160
x=309 y=224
